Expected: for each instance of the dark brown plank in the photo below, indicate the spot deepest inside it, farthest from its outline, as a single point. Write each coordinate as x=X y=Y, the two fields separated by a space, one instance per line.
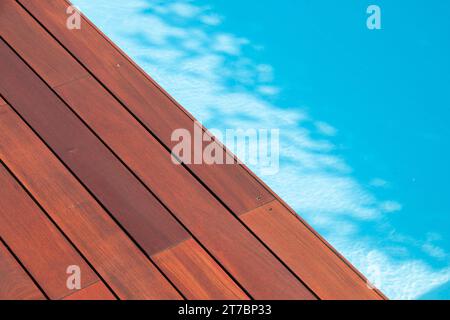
x=237 y=186
x=36 y=241
x=42 y=42
x=239 y=190
x=132 y=205
x=96 y=291
x=10 y=12
x=15 y=284
x=191 y=203
x=88 y=226
x=326 y=274
x=199 y=211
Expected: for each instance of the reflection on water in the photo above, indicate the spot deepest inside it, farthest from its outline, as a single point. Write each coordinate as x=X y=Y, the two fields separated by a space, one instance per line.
x=213 y=74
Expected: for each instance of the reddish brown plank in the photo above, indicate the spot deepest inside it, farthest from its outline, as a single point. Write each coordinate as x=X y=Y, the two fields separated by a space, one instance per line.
x=15 y=284
x=326 y=274
x=96 y=291
x=199 y=211
x=89 y=227
x=2 y=102
x=10 y=12
x=36 y=241
x=325 y=248
x=239 y=190
x=174 y=263
x=221 y=233
x=237 y=186
x=129 y=201
x=152 y=242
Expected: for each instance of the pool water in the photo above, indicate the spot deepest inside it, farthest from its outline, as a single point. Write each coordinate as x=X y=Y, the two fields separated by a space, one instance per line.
x=362 y=114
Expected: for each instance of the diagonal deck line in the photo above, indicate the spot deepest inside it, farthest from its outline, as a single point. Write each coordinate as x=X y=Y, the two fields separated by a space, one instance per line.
x=197 y=178
x=220 y=201
x=240 y=163
x=95 y=198
x=184 y=166
x=16 y=258
x=135 y=176
x=57 y=227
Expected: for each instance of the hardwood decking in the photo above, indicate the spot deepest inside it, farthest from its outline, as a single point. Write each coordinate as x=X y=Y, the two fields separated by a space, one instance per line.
x=87 y=180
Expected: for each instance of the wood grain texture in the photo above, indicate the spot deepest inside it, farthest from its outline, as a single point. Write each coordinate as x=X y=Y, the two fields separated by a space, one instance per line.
x=326 y=274
x=15 y=284
x=234 y=184
x=202 y=269
x=15 y=22
x=96 y=291
x=239 y=190
x=230 y=184
x=326 y=245
x=38 y=244
x=58 y=60
x=198 y=210
x=107 y=248
x=127 y=199
x=122 y=194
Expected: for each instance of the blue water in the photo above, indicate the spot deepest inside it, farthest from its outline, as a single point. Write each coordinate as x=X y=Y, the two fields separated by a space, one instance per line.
x=363 y=114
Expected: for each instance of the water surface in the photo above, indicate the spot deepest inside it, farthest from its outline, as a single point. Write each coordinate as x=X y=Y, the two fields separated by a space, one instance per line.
x=363 y=114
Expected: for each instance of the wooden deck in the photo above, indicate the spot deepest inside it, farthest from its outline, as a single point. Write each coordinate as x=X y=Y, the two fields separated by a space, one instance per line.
x=86 y=179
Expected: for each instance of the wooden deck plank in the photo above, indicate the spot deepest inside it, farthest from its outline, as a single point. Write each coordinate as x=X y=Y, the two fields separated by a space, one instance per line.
x=325 y=249
x=10 y=13
x=89 y=227
x=239 y=190
x=198 y=210
x=327 y=275
x=131 y=90
x=96 y=291
x=37 y=243
x=126 y=79
x=146 y=220
x=239 y=241
x=15 y=284
x=189 y=267
x=153 y=226
x=42 y=42
x=90 y=160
